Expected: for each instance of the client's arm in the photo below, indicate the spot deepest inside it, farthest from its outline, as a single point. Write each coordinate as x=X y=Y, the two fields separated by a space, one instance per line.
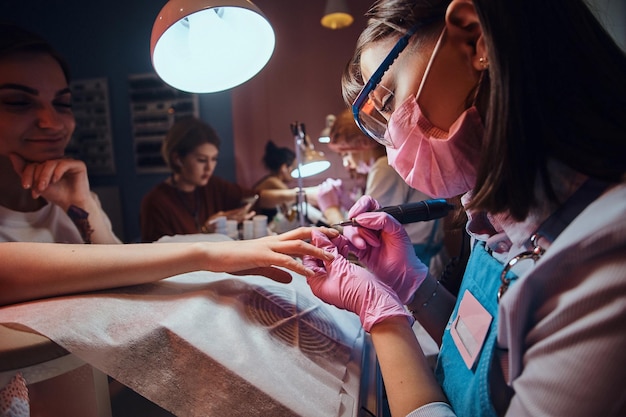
x=35 y=270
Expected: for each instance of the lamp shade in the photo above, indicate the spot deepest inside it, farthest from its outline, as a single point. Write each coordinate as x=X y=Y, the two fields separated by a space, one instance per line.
x=336 y=15
x=312 y=164
x=204 y=46
x=309 y=162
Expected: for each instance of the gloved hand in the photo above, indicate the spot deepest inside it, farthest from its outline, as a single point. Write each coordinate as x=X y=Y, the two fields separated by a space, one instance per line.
x=360 y=238
x=329 y=194
x=349 y=286
x=383 y=246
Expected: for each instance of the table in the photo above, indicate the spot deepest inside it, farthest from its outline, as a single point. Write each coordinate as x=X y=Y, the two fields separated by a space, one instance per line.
x=204 y=344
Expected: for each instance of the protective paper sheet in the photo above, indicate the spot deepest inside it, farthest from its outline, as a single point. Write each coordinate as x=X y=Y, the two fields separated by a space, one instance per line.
x=207 y=344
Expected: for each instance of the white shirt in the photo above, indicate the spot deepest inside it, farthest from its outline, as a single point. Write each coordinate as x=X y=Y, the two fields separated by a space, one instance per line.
x=50 y=224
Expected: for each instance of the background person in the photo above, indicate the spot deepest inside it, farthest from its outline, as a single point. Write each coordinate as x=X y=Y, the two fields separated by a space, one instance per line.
x=280 y=161
x=529 y=124
x=192 y=197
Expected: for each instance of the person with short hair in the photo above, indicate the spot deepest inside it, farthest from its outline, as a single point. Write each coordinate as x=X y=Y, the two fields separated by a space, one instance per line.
x=189 y=201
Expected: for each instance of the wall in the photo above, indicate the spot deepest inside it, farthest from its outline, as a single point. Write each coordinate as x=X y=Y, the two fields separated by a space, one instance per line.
x=300 y=83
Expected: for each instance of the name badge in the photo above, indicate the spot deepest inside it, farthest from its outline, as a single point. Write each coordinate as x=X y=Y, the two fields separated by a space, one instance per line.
x=469 y=328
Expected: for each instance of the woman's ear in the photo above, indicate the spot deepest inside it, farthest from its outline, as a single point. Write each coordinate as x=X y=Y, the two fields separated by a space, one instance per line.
x=176 y=161
x=463 y=28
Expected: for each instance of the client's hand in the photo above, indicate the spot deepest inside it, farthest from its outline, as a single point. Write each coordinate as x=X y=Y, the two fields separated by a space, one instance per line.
x=329 y=194
x=261 y=256
x=349 y=286
x=383 y=246
x=357 y=236
x=61 y=181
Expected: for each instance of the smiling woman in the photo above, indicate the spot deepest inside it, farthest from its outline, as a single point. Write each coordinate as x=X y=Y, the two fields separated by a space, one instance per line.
x=43 y=196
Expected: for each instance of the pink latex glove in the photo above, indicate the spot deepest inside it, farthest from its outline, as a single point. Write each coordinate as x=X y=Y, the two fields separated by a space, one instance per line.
x=329 y=194
x=358 y=237
x=351 y=287
x=383 y=246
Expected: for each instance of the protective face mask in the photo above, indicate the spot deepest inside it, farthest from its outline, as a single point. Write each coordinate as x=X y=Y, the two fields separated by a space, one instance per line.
x=438 y=163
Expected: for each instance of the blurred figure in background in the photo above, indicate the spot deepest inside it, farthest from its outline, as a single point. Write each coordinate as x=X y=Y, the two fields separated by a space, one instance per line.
x=189 y=201
x=280 y=161
x=366 y=160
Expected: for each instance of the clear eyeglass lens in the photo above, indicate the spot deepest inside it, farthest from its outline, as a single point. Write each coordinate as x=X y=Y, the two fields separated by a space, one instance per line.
x=371 y=116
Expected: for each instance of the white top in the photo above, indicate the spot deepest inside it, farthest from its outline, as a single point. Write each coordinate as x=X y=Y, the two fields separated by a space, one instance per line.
x=50 y=224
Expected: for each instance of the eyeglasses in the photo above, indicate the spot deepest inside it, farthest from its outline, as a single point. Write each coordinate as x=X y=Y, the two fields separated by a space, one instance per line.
x=367 y=108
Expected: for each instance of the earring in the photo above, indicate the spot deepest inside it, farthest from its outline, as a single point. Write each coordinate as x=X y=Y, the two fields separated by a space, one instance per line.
x=484 y=62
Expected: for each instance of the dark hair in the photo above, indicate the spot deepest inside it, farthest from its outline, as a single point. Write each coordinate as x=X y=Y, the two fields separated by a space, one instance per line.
x=185 y=136
x=555 y=90
x=15 y=39
x=275 y=156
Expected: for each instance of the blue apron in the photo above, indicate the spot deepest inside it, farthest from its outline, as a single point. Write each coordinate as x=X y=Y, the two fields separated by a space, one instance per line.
x=468 y=389
x=426 y=251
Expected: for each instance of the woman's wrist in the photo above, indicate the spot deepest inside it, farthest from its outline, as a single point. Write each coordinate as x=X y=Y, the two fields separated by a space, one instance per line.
x=80 y=218
x=424 y=294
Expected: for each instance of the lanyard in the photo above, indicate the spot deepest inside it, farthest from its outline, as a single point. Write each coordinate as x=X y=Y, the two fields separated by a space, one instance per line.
x=554 y=225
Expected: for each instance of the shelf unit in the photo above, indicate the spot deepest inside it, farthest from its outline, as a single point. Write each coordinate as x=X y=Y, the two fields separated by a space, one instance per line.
x=155 y=106
x=92 y=139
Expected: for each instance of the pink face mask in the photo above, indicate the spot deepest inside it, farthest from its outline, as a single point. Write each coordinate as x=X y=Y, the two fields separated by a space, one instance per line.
x=438 y=163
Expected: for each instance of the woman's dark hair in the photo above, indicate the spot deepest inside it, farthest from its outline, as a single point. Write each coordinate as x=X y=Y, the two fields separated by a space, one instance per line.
x=185 y=136
x=276 y=156
x=15 y=39
x=555 y=90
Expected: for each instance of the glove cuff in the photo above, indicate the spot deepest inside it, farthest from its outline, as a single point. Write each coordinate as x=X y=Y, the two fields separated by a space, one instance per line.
x=414 y=278
x=379 y=305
